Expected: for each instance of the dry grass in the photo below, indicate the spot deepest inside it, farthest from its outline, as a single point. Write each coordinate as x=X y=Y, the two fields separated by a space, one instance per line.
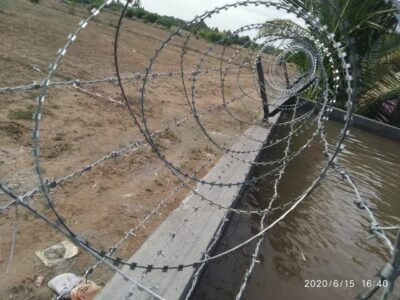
x=77 y=129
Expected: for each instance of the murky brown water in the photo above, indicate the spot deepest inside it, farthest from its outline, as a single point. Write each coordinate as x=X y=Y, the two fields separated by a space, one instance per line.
x=325 y=237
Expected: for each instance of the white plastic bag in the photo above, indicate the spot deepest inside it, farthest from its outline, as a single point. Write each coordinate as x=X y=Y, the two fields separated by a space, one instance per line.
x=63 y=284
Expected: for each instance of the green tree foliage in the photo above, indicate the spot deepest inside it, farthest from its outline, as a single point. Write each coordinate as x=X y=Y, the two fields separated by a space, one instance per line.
x=199 y=29
x=135 y=12
x=114 y=5
x=95 y=4
x=151 y=17
x=371 y=25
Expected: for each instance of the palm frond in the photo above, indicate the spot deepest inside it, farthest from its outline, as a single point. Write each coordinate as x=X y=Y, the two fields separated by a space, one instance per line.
x=386 y=89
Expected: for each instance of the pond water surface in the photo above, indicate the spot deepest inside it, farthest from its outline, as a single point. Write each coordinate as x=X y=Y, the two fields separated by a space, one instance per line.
x=326 y=237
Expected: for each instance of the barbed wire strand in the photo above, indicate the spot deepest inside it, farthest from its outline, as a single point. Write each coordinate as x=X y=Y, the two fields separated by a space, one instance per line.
x=108 y=79
x=391 y=270
x=132 y=232
x=86 y=247
x=14 y=239
x=264 y=217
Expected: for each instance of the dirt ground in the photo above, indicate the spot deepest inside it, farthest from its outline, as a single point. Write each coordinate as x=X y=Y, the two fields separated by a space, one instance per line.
x=78 y=128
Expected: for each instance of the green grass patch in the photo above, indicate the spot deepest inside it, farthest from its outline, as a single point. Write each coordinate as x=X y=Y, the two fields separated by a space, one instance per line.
x=22 y=114
x=58 y=150
x=27 y=113
x=12 y=130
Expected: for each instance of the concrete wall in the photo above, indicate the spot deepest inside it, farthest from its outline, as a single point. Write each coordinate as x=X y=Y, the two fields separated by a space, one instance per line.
x=363 y=123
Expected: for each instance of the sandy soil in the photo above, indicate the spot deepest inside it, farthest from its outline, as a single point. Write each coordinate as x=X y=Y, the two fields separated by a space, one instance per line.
x=77 y=129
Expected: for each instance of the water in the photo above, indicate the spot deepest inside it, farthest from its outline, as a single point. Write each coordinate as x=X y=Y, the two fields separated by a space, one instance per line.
x=325 y=237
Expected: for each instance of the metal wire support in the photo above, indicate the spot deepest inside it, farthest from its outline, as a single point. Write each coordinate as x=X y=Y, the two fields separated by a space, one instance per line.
x=261 y=83
x=387 y=276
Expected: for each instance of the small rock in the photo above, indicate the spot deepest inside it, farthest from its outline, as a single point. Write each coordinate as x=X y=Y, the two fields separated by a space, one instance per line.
x=39 y=281
x=37 y=69
x=14 y=185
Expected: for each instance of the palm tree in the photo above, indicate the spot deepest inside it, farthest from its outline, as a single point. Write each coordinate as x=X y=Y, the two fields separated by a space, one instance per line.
x=372 y=25
x=381 y=74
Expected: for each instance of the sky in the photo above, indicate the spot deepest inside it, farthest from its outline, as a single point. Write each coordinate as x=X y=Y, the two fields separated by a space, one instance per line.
x=231 y=19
